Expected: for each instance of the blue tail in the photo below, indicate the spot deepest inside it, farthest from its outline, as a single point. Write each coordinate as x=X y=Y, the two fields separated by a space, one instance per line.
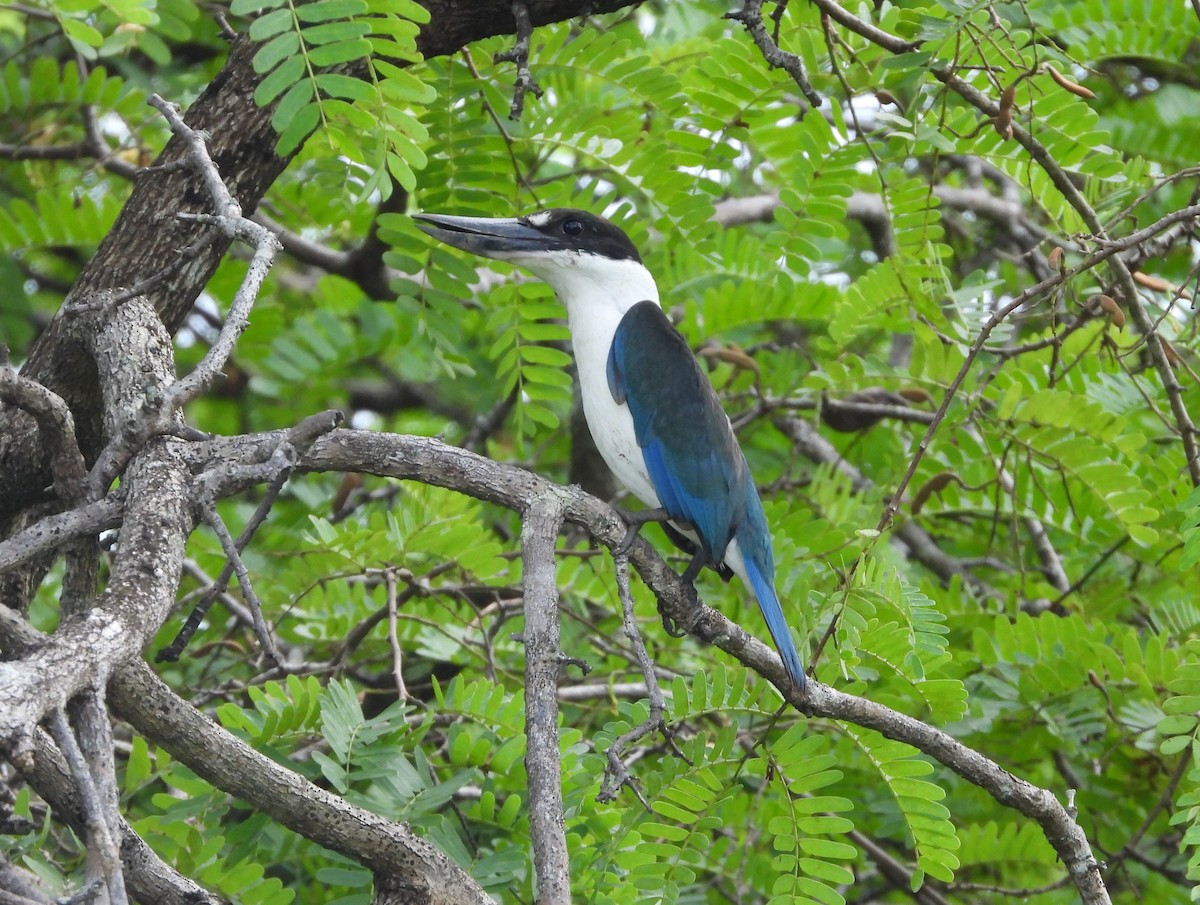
x=760 y=571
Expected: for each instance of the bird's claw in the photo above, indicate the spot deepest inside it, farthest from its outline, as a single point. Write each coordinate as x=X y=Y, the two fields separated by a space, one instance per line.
x=633 y=524
x=678 y=628
x=631 y=533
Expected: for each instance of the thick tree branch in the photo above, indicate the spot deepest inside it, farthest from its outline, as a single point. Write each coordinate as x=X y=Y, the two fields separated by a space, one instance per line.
x=149 y=878
x=223 y=760
x=138 y=599
x=55 y=425
x=540 y=525
x=433 y=462
x=101 y=841
x=149 y=232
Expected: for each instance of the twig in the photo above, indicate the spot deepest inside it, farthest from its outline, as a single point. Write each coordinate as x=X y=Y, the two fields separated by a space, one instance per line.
x=105 y=156
x=72 y=151
x=389 y=579
x=213 y=519
x=606 y=691
x=100 y=838
x=53 y=531
x=275 y=471
x=616 y=774
x=90 y=721
x=750 y=15
x=540 y=525
x=520 y=55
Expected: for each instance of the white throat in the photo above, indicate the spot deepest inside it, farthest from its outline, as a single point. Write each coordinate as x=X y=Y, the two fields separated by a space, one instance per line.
x=597 y=292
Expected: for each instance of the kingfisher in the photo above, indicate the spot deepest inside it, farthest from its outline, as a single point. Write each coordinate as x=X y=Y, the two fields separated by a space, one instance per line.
x=653 y=413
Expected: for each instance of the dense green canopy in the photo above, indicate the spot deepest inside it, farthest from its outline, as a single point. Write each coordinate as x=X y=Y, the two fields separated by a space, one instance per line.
x=939 y=261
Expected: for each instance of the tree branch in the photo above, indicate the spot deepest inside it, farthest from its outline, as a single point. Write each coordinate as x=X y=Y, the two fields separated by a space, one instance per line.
x=750 y=15
x=540 y=525
x=226 y=762
x=122 y=620
x=432 y=462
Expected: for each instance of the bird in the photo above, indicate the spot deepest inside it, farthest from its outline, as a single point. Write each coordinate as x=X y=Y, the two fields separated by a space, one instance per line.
x=651 y=410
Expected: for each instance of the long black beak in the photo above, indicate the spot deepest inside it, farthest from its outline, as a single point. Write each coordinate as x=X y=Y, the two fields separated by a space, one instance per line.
x=497 y=238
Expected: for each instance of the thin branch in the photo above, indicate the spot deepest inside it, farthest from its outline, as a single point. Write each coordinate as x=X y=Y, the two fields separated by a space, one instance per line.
x=894 y=872
x=100 y=839
x=261 y=630
x=616 y=774
x=750 y=15
x=389 y=579
x=141 y=588
x=520 y=55
x=73 y=151
x=56 y=427
x=99 y=148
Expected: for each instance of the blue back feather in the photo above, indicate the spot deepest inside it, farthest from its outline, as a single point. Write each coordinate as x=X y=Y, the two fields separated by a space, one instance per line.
x=692 y=456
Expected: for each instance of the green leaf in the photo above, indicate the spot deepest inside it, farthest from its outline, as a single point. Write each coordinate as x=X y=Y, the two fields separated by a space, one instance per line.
x=279 y=80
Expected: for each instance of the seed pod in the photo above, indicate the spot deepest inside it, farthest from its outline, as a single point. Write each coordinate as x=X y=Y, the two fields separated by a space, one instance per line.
x=886 y=97
x=915 y=394
x=1173 y=358
x=936 y=484
x=1156 y=284
x=350 y=483
x=1066 y=84
x=1112 y=309
x=1003 y=119
x=730 y=355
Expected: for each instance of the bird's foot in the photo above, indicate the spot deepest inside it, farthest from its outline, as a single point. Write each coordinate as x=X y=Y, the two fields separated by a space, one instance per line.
x=633 y=523
x=677 y=628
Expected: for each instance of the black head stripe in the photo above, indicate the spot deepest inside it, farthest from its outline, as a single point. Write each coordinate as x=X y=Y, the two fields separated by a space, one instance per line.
x=582 y=231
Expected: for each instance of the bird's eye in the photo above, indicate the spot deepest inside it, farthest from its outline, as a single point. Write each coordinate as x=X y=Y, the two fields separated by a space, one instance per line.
x=572 y=227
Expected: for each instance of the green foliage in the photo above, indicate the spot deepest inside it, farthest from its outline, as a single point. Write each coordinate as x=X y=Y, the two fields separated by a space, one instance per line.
x=526 y=363
x=896 y=231
x=333 y=64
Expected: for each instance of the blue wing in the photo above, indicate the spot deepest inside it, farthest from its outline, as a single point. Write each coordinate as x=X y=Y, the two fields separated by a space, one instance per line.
x=692 y=456
x=693 y=459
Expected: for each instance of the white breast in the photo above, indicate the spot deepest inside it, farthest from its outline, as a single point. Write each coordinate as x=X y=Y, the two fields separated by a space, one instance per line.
x=611 y=424
x=597 y=292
